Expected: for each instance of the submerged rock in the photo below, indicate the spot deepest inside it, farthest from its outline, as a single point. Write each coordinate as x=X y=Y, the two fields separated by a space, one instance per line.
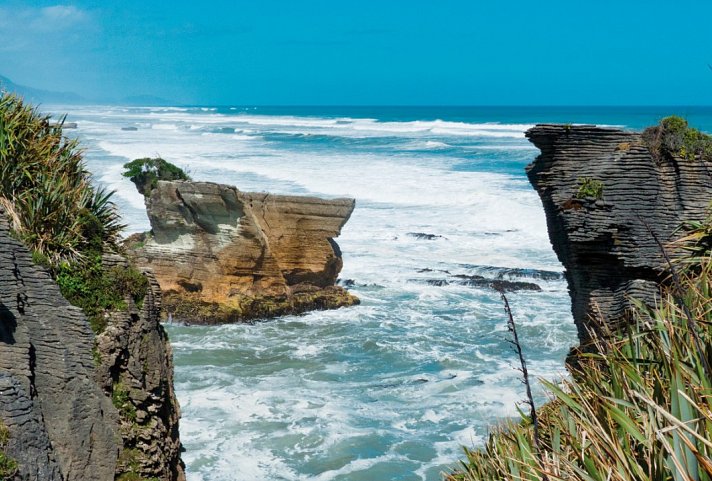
x=223 y=255
x=499 y=285
x=425 y=236
x=602 y=235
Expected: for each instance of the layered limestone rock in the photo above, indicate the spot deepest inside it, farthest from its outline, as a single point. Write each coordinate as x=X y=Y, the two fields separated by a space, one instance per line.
x=60 y=386
x=607 y=244
x=61 y=424
x=223 y=255
x=135 y=367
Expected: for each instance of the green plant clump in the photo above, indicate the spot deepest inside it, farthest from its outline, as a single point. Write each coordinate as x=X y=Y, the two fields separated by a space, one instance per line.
x=122 y=402
x=45 y=189
x=8 y=466
x=146 y=173
x=96 y=290
x=639 y=409
x=589 y=188
x=673 y=137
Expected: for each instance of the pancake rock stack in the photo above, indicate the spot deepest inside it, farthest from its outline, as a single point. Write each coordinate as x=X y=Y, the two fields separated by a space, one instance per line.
x=223 y=255
x=57 y=382
x=607 y=242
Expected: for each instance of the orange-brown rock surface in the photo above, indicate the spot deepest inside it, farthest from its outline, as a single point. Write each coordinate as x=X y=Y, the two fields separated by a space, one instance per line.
x=223 y=255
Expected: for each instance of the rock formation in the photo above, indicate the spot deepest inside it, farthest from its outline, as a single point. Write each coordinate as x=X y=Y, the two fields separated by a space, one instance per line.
x=61 y=424
x=606 y=244
x=57 y=382
x=223 y=255
x=135 y=366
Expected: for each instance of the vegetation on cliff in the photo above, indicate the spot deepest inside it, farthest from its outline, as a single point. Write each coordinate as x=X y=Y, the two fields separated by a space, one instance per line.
x=46 y=190
x=8 y=466
x=146 y=172
x=640 y=408
x=55 y=210
x=673 y=137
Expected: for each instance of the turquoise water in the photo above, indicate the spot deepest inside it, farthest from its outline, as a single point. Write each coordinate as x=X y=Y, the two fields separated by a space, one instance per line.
x=391 y=389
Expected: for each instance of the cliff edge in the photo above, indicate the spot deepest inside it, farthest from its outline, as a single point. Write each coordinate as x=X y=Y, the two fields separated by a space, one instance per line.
x=223 y=255
x=604 y=193
x=76 y=406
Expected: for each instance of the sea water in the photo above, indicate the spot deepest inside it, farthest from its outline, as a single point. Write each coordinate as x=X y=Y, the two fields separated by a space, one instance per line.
x=394 y=388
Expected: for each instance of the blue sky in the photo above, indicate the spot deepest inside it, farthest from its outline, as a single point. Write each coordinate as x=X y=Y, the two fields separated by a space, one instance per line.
x=444 y=52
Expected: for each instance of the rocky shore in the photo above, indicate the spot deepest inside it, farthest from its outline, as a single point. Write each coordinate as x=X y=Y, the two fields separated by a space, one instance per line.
x=223 y=255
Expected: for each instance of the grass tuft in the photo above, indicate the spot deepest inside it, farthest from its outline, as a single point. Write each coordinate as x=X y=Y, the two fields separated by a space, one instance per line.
x=639 y=408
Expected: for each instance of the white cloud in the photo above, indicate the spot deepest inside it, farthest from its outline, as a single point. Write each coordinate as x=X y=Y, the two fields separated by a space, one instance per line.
x=58 y=17
x=24 y=28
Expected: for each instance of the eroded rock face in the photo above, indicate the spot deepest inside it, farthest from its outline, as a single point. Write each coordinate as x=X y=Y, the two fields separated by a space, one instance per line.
x=606 y=244
x=135 y=368
x=62 y=426
x=57 y=380
x=223 y=255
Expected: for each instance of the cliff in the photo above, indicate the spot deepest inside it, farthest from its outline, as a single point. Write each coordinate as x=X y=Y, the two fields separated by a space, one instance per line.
x=57 y=383
x=223 y=255
x=134 y=365
x=604 y=238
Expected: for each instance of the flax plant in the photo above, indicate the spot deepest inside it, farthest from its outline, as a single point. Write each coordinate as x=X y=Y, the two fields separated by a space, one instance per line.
x=640 y=408
x=45 y=189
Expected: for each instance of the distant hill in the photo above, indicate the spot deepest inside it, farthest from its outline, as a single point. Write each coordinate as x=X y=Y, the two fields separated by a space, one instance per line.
x=41 y=96
x=146 y=100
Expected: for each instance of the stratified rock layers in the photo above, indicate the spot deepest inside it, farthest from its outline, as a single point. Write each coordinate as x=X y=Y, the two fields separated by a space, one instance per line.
x=57 y=381
x=62 y=426
x=223 y=255
x=607 y=245
x=135 y=366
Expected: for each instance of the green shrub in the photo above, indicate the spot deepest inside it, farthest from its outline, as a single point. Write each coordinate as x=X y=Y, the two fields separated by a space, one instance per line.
x=86 y=284
x=8 y=466
x=589 y=188
x=122 y=402
x=146 y=173
x=673 y=137
x=638 y=409
x=45 y=189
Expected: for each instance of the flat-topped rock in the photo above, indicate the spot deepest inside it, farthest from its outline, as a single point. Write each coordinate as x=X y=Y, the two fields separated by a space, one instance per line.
x=605 y=244
x=223 y=255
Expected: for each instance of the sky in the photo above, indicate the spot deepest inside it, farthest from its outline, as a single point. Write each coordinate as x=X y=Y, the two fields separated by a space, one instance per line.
x=364 y=52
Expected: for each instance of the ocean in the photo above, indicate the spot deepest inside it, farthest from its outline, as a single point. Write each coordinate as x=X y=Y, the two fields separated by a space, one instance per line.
x=391 y=389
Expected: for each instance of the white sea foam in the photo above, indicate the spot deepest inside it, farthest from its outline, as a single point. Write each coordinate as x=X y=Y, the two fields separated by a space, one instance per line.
x=417 y=370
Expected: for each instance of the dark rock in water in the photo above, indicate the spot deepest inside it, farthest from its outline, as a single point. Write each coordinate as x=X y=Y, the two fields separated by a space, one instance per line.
x=129 y=129
x=425 y=236
x=346 y=282
x=468 y=277
x=605 y=244
x=531 y=273
x=427 y=269
x=504 y=272
x=479 y=281
x=502 y=285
